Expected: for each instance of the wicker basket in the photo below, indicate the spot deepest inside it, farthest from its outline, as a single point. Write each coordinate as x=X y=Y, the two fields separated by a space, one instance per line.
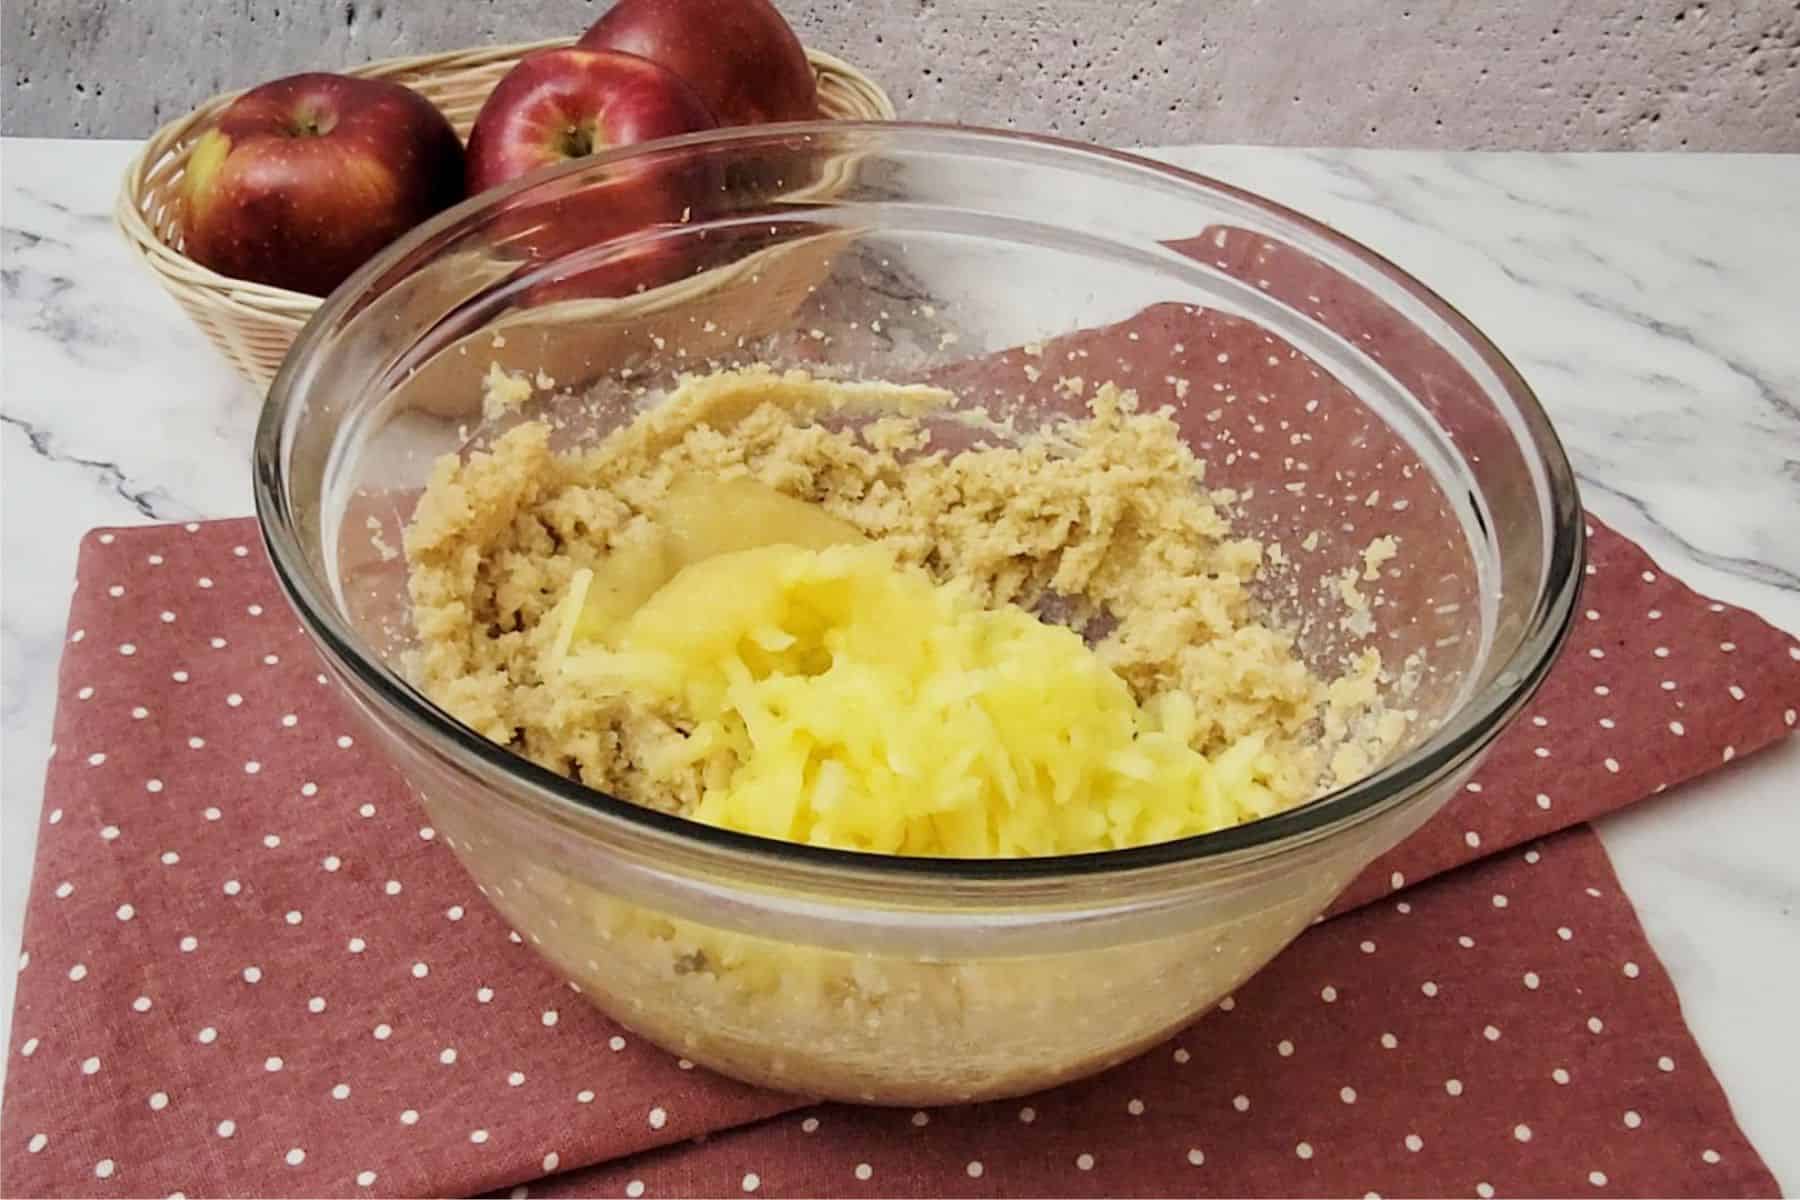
x=253 y=324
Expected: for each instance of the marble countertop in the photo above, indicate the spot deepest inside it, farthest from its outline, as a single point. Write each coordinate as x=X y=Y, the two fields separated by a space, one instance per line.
x=1647 y=298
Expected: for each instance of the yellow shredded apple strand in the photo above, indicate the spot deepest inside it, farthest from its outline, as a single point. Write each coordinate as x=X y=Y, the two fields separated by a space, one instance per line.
x=878 y=710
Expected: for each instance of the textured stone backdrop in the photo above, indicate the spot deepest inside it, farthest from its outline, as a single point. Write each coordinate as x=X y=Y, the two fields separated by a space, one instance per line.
x=1539 y=74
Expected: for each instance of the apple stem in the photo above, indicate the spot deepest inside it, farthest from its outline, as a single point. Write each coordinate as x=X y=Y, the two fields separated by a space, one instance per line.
x=312 y=123
x=578 y=140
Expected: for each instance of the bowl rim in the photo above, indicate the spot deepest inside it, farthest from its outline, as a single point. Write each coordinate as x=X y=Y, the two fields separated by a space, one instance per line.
x=1464 y=731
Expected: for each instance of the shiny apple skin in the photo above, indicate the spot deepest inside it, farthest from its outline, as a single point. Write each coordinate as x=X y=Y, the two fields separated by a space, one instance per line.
x=739 y=55
x=301 y=180
x=556 y=105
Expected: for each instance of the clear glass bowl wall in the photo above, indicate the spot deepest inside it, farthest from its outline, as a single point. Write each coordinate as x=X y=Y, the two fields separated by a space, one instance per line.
x=1335 y=394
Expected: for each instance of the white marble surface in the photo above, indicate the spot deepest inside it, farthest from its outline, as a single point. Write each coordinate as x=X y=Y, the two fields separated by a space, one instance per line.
x=1648 y=298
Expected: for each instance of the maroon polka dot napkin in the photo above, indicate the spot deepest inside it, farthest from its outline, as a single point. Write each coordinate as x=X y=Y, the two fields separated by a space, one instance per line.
x=1502 y=1031
x=249 y=968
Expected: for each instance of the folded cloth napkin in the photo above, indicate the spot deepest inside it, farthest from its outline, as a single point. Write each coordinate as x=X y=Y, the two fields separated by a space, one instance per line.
x=1503 y=1030
x=249 y=968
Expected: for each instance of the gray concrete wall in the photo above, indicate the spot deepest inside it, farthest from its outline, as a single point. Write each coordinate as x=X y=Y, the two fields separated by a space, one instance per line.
x=1538 y=74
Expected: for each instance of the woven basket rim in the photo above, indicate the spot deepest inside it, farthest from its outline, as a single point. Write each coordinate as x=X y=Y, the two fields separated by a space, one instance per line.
x=264 y=302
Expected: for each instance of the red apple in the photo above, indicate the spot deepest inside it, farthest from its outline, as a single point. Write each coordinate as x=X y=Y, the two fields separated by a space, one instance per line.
x=558 y=105
x=562 y=104
x=740 y=55
x=301 y=180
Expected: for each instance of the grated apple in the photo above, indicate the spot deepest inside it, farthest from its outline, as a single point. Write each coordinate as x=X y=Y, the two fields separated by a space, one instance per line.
x=870 y=708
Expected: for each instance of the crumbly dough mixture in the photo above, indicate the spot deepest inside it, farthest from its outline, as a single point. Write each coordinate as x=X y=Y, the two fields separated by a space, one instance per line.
x=1102 y=522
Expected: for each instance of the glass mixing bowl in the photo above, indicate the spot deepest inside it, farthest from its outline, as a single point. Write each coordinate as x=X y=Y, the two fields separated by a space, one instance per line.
x=1338 y=398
